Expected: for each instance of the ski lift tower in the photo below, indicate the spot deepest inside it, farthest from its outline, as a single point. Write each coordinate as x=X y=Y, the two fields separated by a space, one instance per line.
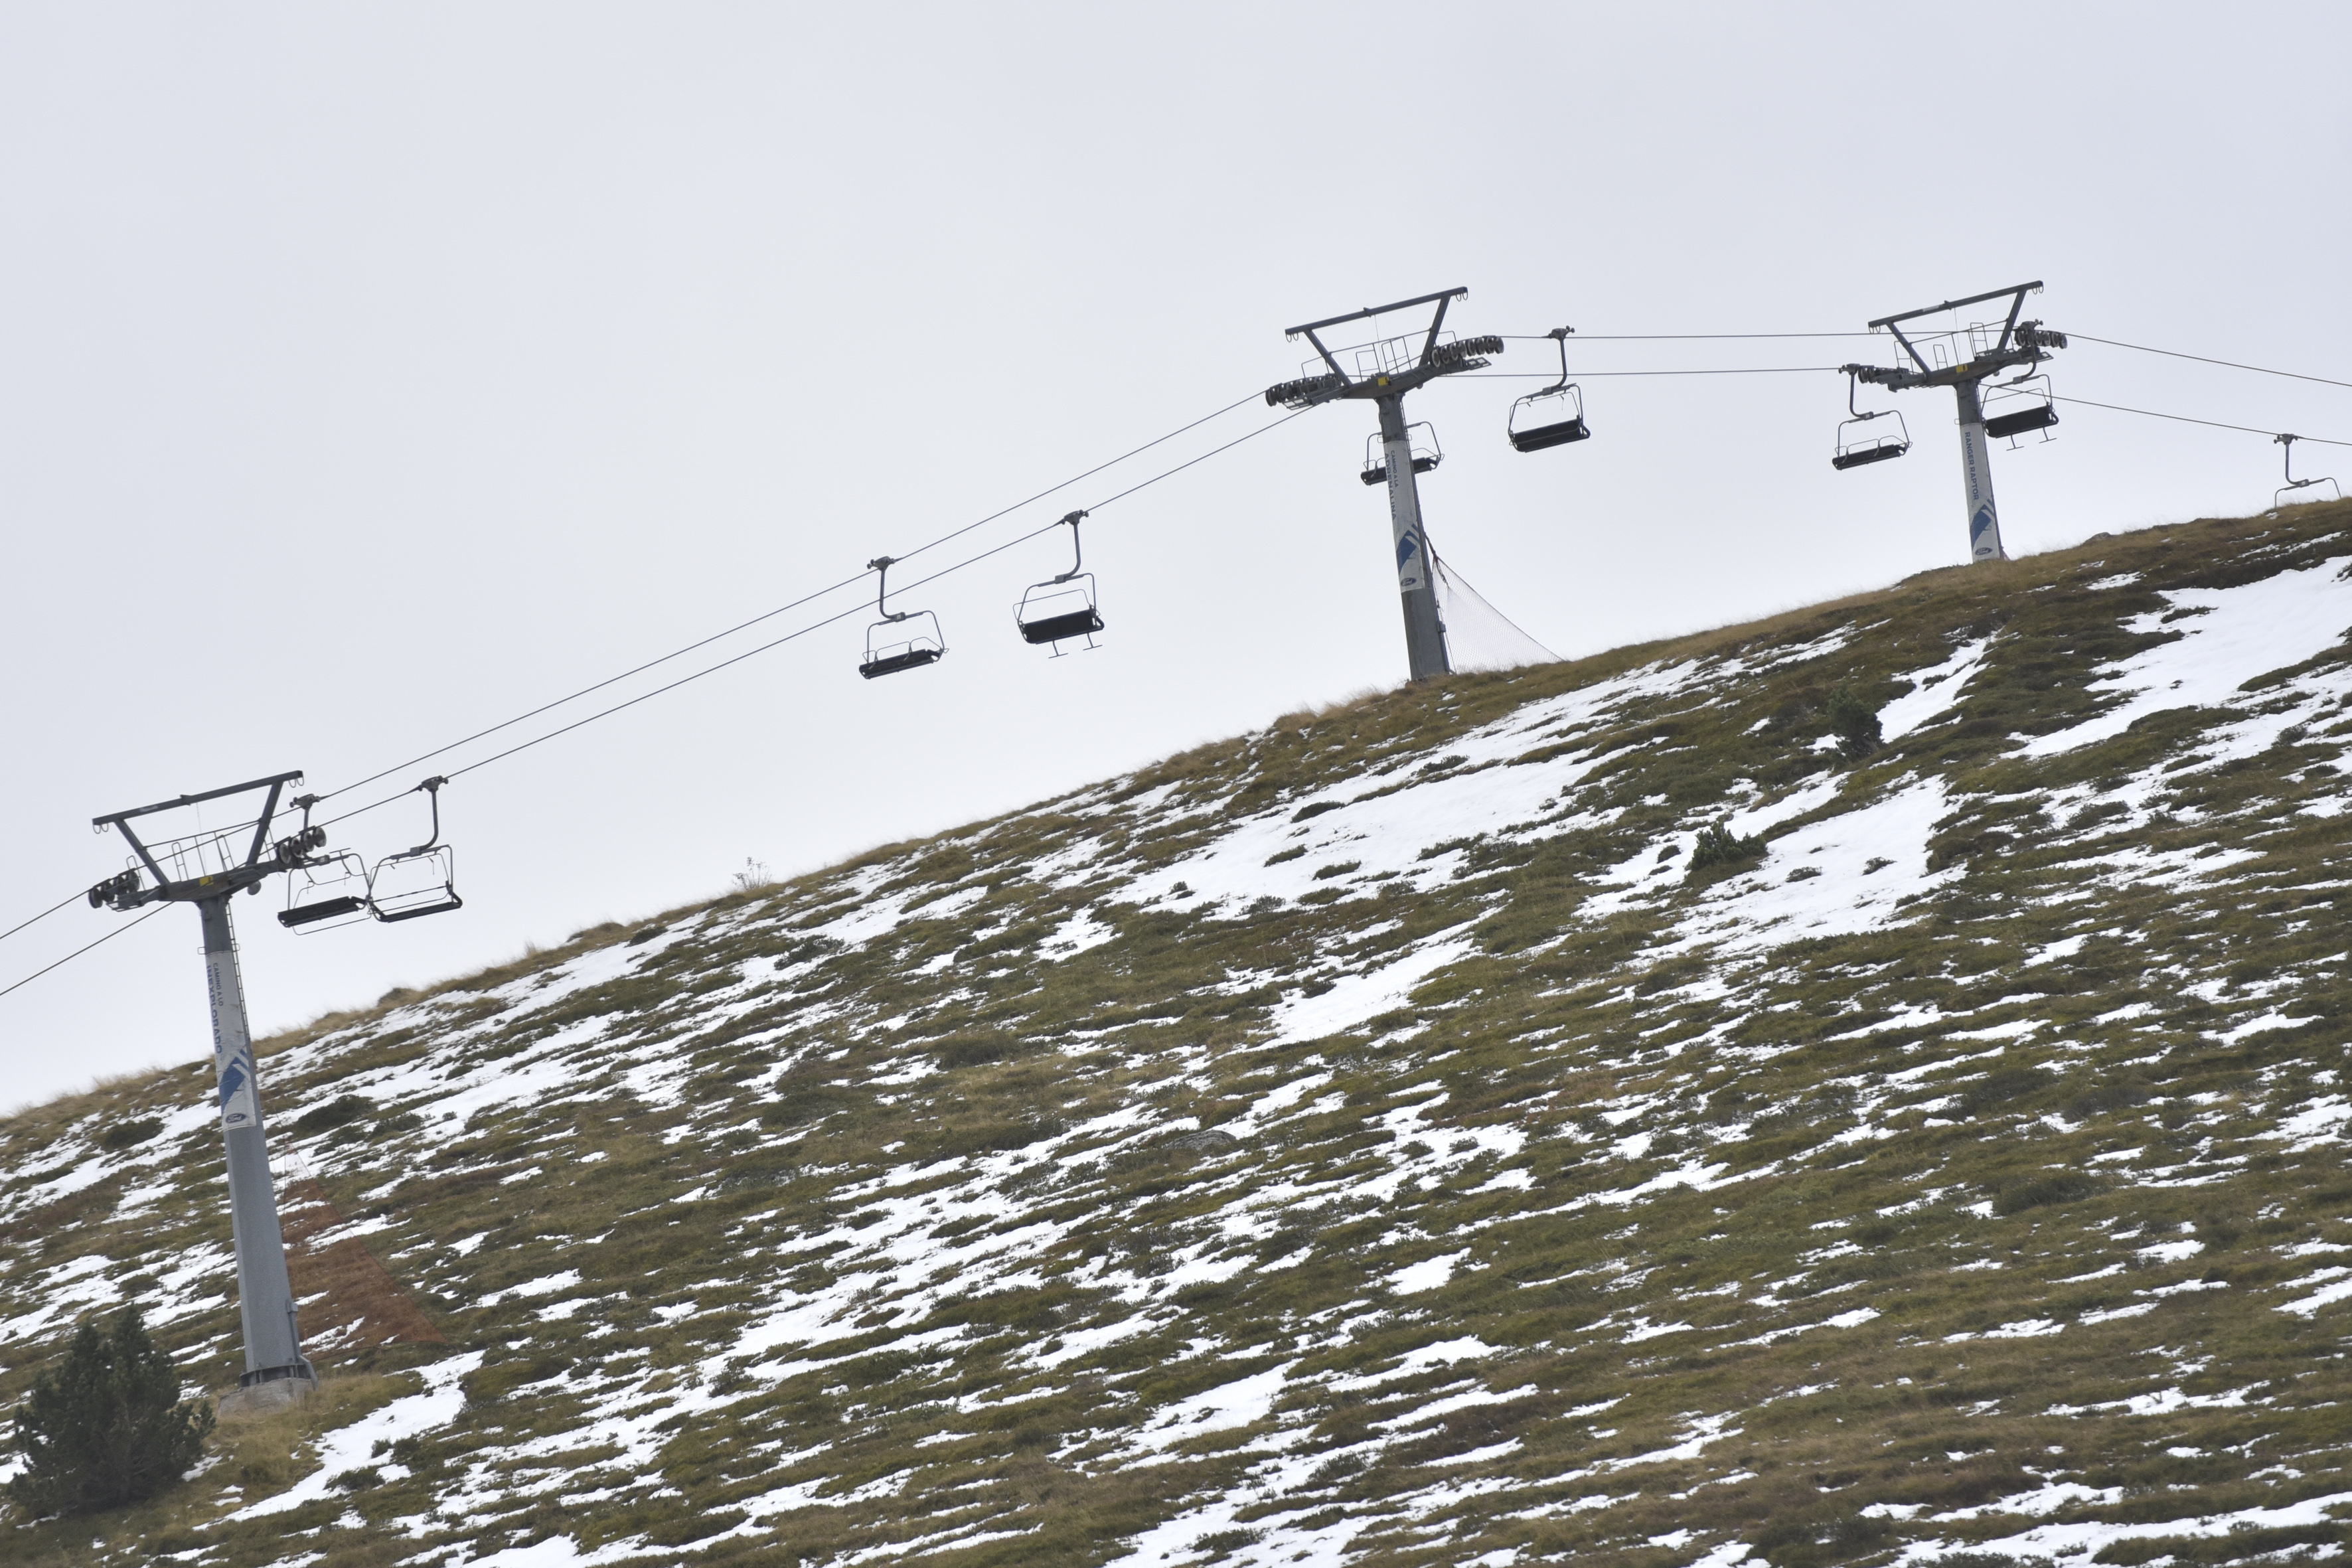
x=208 y=869
x=1385 y=371
x=2021 y=345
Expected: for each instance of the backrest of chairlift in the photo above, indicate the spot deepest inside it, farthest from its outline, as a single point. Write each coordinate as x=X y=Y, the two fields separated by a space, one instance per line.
x=1862 y=441
x=2291 y=493
x=1058 y=610
x=1420 y=439
x=320 y=897
x=2020 y=408
x=414 y=883
x=1550 y=418
x=906 y=641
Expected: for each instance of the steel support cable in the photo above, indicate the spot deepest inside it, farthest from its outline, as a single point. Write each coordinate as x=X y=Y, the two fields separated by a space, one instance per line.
x=2185 y=419
x=829 y=620
x=1673 y=337
x=771 y=614
x=77 y=952
x=2200 y=358
x=712 y=669
x=1596 y=374
x=44 y=914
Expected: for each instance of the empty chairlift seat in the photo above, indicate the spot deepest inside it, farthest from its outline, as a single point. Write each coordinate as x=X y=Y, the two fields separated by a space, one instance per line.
x=1859 y=444
x=1552 y=417
x=1544 y=420
x=318 y=897
x=1064 y=607
x=2020 y=408
x=1420 y=439
x=890 y=658
x=901 y=639
x=416 y=882
x=1862 y=440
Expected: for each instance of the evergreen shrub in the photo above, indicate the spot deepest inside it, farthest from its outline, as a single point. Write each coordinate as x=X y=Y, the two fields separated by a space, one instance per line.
x=107 y=1427
x=1856 y=724
x=1717 y=846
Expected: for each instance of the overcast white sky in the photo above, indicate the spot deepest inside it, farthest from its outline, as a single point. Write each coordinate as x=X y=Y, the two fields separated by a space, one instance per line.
x=371 y=373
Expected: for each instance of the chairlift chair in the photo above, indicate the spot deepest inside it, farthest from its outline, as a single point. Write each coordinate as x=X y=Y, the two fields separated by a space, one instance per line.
x=1061 y=607
x=901 y=639
x=416 y=882
x=2285 y=493
x=322 y=891
x=1552 y=417
x=321 y=897
x=1859 y=440
x=1426 y=453
x=2020 y=408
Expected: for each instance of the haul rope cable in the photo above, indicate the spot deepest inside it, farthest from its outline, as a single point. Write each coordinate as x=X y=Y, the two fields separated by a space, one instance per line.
x=1491 y=375
x=77 y=952
x=755 y=620
x=2234 y=364
x=857 y=609
x=715 y=636
x=2186 y=419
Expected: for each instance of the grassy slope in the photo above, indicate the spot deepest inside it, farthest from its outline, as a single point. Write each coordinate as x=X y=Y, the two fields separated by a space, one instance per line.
x=927 y=1230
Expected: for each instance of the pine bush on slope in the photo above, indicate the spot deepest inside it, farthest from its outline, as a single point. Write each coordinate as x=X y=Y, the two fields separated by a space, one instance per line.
x=106 y=1427
x=1104 y=1183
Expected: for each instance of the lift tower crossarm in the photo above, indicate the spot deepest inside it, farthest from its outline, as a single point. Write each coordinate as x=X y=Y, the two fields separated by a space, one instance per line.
x=228 y=880
x=1436 y=359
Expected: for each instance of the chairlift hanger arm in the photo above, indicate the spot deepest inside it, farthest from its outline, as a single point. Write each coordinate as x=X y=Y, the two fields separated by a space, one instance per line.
x=1559 y=335
x=431 y=789
x=1077 y=551
x=882 y=564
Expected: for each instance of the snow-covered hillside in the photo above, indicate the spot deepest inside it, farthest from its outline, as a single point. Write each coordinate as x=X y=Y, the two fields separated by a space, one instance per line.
x=1368 y=1141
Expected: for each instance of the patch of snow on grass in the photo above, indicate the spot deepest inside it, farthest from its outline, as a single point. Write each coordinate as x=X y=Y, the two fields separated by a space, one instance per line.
x=1426 y=1275
x=1223 y=1408
x=1355 y=1000
x=352 y=1447
x=1874 y=864
x=2248 y=630
x=1936 y=690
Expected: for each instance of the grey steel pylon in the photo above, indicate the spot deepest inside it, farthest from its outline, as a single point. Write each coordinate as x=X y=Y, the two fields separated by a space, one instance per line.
x=273 y=1341
x=1385 y=386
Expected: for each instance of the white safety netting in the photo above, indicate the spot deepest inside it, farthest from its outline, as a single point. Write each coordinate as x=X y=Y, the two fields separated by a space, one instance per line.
x=1477 y=635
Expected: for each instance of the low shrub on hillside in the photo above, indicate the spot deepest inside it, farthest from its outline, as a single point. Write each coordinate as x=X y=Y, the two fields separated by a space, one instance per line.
x=126 y=1134
x=107 y=1428
x=1718 y=846
x=1856 y=724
